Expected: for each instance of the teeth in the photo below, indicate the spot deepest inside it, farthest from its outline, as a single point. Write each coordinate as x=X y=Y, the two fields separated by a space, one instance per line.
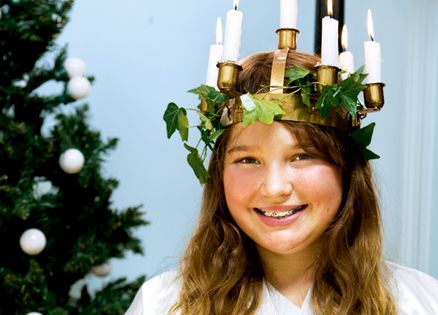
x=280 y=214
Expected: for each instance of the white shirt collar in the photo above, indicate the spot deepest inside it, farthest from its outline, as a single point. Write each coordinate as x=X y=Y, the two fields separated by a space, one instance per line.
x=273 y=302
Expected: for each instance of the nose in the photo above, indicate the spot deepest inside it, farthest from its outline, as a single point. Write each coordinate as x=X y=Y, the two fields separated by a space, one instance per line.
x=277 y=182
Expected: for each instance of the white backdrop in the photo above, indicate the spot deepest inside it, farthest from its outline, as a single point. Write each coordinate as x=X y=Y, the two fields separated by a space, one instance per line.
x=147 y=53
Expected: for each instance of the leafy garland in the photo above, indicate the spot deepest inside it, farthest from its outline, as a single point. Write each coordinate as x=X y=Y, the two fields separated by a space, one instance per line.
x=299 y=80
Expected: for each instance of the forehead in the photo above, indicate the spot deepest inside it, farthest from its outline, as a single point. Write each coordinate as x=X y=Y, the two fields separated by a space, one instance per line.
x=262 y=134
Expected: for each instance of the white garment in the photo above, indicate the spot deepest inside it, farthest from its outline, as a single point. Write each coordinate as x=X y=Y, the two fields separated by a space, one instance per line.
x=416 y=293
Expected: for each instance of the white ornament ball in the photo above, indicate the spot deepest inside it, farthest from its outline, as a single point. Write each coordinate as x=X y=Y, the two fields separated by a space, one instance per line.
x=34 y=313
x=33 y=241
x=101 y=270
x=78 y=87
x=71 y=161
x=75 y=67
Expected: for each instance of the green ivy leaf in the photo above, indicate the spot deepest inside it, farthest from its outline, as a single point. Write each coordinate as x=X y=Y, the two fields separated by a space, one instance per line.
x=326 y=101
x=196 y=163
x=296 y=73
x=216 y=134
x=362 y=137
x=202 y=91
x=213 y=97
x=210 y=94
x=359 y=75
x=263 y=110
x=350 y=104
x=369 y=155
x=171 y=118
x=217 y=97
x=176 y=119
x=306 y=91
x=352 y=86
x=183 y=124
x=206 y=122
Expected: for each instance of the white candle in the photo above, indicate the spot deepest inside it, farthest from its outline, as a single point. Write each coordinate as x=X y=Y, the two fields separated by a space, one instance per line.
x=373 y=55
x=346 y=58
x=215 y=56
x=233 y=30
x=329 y=45
x=288 y=13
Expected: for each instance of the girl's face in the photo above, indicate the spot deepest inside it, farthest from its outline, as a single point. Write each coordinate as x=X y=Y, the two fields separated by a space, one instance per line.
x=282 y=197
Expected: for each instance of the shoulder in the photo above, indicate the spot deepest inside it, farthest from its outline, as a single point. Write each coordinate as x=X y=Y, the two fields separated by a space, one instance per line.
x=157 y=295
x=415 y=291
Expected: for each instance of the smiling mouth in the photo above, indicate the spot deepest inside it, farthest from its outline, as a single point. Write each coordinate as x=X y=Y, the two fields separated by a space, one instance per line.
x=280 y=214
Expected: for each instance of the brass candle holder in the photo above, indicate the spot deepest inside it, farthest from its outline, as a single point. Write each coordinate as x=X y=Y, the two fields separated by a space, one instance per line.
x=228 y=76
x=326 y=75
x=373 y=95
x=287 y=38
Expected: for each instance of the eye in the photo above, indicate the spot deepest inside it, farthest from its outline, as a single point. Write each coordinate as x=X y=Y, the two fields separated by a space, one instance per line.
x=247 y=160
x=302 y=157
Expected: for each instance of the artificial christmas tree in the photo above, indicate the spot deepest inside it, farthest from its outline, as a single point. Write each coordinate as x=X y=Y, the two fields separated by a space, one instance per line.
x=56 y=220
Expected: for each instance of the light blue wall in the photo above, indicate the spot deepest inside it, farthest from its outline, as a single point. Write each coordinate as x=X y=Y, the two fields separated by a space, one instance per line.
x=145 y=54
x=433 y=250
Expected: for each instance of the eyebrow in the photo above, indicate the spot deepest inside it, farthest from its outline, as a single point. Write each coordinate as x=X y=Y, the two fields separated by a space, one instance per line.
x=240 y=148
x=246 y=148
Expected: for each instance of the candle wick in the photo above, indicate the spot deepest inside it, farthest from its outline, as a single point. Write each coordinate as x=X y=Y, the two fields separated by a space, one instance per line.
x=235 y=7
x=372 y=38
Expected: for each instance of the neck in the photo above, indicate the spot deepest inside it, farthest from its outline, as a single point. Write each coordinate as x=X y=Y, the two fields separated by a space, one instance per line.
x=291 y=275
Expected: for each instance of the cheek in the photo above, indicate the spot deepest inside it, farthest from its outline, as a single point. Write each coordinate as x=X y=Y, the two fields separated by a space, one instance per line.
x=325 y=184
x=239 y=185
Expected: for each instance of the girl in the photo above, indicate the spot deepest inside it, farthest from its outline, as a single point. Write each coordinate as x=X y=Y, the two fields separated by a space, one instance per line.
x=289 y=224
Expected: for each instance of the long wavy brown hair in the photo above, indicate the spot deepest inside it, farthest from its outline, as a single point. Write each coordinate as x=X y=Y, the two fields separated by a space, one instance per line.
x=221 y=271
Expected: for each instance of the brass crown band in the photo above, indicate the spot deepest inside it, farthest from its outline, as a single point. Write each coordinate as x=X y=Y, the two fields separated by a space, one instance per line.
x=278 y=70
x=297 y=111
